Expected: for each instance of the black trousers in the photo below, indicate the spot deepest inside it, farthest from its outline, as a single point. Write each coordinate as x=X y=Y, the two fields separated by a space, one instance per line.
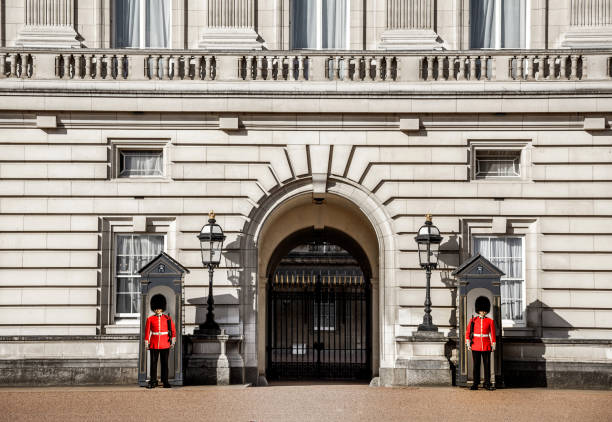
x=486 y=357
x=155 y=354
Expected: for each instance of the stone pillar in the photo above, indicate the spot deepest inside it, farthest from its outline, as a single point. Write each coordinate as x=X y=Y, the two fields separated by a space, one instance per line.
x=590 y=24
x=410 y=25
x=48 y=23
x=230 y=25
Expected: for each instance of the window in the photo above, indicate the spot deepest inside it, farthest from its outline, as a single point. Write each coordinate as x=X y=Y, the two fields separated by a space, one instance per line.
x=497 y=163
x=320 y=24
x=140 y=163
x=328 y=316
x=507 y=253
x=142 y=23
x=132 y=252
x=499 y=23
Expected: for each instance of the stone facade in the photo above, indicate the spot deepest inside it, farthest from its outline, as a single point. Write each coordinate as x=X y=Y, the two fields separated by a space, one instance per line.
x=382 y=135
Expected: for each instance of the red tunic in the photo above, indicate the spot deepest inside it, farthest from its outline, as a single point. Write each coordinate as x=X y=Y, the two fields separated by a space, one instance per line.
x=484 y=333
x=156 y=331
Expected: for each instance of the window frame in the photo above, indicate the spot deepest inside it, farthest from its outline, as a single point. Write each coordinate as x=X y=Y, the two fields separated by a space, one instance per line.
x=500 y=145
x=498 y=26
x=516 y=164
x=510 y=322
x=319 y=24
x=120 y=145
x=143 y=29
x=123 y=317
x=121 y=169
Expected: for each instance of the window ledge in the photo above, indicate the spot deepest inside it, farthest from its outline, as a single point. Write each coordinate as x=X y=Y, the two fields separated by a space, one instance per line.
x=141 y=179
x=123 y=328
x=518 y=331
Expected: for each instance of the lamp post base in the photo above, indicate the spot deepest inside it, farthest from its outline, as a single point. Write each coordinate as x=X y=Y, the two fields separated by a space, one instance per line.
x=428 y=328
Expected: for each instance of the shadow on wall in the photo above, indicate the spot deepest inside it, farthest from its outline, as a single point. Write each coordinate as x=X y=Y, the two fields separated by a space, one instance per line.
x=524 y=357
x=451 y=245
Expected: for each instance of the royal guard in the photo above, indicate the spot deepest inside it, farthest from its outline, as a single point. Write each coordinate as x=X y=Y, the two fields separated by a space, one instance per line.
x=480 y=339
x=160 y=336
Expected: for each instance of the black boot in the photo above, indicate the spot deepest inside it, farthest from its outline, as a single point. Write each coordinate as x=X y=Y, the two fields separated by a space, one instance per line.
x=167 y=385
x=474 y=387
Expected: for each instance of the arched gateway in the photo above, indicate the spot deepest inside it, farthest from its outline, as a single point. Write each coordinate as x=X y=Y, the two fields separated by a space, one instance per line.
x=321 y=266
x=319 y=308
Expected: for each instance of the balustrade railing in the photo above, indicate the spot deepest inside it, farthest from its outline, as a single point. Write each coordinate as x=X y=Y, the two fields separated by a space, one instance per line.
x=16 y=65
x=457 y=67
x=144 y=65
x=274 y=67
x=529 y=67
x=362 y=68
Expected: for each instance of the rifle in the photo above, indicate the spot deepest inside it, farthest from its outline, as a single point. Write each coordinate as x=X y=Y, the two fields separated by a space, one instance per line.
x=169 y=321
x=472 y=332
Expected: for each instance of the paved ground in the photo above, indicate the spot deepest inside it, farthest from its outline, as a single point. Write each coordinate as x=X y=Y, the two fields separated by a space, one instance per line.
x=317 y=402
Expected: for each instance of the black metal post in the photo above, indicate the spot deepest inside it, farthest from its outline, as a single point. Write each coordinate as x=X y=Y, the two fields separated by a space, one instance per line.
x=427 y=324
x=209 y=326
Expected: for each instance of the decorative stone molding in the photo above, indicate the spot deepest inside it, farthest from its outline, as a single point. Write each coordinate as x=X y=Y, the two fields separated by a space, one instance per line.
x=230 y=26
x=49 y=24
x=590 y=24
x=410 y=25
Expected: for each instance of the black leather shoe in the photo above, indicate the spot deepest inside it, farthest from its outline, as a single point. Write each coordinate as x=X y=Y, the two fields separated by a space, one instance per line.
x=167 y=386
x=489 y=387
x=474 y=387
x=151 y=385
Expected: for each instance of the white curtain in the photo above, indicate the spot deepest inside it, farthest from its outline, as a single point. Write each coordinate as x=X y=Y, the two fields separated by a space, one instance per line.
x=133 y=253
x=507 y=254
x=496 y=167
x=145 y=163
x=127 y=23
x=513 y=30
x=304 y=24
x=158 y=24
x=334 y=25
x=482 y=23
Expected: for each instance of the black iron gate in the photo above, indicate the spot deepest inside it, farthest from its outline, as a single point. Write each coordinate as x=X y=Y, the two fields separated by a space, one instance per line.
x=319 y=325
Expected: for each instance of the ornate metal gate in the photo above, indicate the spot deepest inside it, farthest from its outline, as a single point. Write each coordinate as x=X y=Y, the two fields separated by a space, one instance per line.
x=319 y=325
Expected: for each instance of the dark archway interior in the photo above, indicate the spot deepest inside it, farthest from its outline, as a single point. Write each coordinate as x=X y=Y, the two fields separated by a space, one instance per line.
x=327 y=235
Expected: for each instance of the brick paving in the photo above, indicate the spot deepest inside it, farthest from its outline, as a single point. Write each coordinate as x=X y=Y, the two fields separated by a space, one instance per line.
x=303 y=402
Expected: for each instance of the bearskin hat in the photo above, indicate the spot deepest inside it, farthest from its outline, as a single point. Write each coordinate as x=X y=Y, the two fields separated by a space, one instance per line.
x=483 y=304
x=158 y=302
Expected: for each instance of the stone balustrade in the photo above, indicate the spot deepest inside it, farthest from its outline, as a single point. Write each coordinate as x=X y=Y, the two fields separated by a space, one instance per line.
x=143 y=65
x=529 y=67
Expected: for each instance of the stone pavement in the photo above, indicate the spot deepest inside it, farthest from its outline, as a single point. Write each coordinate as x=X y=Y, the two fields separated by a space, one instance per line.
x=302 y=402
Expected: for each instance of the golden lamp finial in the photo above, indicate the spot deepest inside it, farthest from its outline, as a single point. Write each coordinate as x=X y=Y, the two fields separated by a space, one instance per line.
x=428 y=217
x=211 y=215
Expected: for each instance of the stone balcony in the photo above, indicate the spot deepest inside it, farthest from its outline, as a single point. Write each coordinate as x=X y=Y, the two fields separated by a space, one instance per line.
x=324 y=74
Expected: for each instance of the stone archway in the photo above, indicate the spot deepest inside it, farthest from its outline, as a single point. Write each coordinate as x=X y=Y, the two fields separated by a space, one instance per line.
x=346 y=208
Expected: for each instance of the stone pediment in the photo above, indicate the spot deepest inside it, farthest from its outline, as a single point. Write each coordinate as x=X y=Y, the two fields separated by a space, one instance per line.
x=162 y=265
x=477 y=266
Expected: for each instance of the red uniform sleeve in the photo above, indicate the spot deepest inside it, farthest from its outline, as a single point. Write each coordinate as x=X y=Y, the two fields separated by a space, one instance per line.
x=467 y=330
x=147 y=330
x=493 y=331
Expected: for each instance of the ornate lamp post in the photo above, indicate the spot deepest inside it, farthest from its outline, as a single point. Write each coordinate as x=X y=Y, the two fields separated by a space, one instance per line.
x=211 y=243
x=428 y=239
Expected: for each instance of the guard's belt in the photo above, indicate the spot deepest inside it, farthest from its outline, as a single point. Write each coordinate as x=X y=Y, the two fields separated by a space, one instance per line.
x=475 y=335
x=161 y=333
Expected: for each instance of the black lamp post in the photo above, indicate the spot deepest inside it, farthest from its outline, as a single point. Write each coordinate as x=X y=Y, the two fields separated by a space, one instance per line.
x=428 y=239
x=211 y=243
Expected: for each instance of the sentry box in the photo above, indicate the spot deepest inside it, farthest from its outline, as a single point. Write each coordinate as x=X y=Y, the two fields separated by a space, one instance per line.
x=162 y=276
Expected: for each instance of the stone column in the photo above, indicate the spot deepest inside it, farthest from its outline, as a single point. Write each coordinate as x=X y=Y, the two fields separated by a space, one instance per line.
x=48 y=23
x=590 y=24
x=230 y=25
x=410 y=25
